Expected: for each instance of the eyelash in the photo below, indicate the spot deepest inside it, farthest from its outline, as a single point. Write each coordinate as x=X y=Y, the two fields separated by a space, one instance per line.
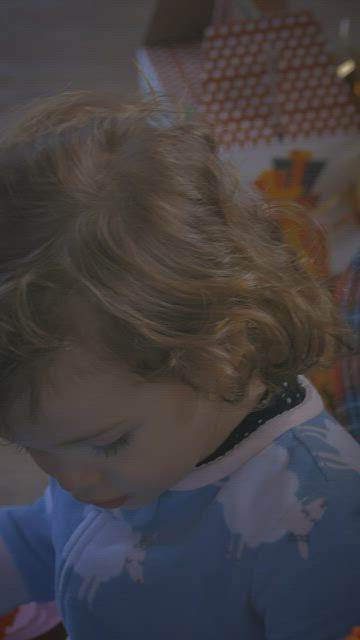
x=109 y=450
x=12 y=445
x=18 y=447
x=113 y=448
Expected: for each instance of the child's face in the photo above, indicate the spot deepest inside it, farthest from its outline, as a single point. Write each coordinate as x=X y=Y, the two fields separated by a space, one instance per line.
x=169 y=429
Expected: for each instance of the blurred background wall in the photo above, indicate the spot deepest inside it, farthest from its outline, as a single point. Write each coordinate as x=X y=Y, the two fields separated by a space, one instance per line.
x=53 y=45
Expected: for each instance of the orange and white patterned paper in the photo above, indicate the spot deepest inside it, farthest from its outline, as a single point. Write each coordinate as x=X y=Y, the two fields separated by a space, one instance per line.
x=268 y=89
x=246 y=103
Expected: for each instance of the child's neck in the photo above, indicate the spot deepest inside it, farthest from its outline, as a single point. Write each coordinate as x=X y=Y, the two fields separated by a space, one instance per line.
x=290 y=395
x=229 y=416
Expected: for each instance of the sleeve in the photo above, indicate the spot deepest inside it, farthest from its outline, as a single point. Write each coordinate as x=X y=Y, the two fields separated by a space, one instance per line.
x=27 y=555
x=307 y=585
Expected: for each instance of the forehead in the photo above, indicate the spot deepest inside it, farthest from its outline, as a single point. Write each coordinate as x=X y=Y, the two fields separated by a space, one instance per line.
x=73 y=381
x=80 y=394
x=76 y=371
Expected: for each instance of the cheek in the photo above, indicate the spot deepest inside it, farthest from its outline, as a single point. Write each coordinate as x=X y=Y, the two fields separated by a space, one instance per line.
x=156 y=459
x=134 y=469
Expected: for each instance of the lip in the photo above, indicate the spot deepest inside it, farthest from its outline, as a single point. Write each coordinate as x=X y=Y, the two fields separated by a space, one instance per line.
x=112 y=504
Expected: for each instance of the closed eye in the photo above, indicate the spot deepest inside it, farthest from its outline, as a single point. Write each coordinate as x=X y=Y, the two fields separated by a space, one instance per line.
x=114 y=447
x=110 y=449
x=14 y=445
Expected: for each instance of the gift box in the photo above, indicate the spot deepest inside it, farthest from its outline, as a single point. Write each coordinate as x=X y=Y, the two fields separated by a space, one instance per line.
x=268 y=89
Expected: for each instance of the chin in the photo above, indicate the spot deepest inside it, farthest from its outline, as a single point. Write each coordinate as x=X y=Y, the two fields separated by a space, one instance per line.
x=135 y=504
x=139 y=503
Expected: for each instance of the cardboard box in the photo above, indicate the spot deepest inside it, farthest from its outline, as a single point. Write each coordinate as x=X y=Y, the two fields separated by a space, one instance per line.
x=285 y=120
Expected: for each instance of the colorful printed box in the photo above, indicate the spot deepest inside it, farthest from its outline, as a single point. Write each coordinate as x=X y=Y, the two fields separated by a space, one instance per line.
x=268 y=89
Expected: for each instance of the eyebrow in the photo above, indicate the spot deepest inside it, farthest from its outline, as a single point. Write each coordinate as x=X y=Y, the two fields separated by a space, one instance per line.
x=108 y=429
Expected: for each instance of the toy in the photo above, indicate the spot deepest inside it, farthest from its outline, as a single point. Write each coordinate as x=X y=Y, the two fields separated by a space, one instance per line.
x=31 y=622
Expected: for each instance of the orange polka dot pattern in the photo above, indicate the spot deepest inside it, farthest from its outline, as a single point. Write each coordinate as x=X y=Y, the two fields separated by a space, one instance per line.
x=237 y=96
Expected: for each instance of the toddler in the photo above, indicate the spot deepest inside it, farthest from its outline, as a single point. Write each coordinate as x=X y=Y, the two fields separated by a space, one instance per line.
x=156 y=337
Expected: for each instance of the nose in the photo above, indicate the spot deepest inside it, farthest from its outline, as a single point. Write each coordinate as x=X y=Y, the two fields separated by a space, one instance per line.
x=73 y=476
x=78 y=482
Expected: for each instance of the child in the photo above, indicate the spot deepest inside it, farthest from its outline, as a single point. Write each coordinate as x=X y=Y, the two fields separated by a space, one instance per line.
x=155 y=333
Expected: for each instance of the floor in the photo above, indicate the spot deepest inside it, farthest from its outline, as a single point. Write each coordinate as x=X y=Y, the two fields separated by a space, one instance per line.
x=47 y=47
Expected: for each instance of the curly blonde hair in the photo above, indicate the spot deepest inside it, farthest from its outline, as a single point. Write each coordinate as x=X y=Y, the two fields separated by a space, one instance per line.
x=120 y=211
